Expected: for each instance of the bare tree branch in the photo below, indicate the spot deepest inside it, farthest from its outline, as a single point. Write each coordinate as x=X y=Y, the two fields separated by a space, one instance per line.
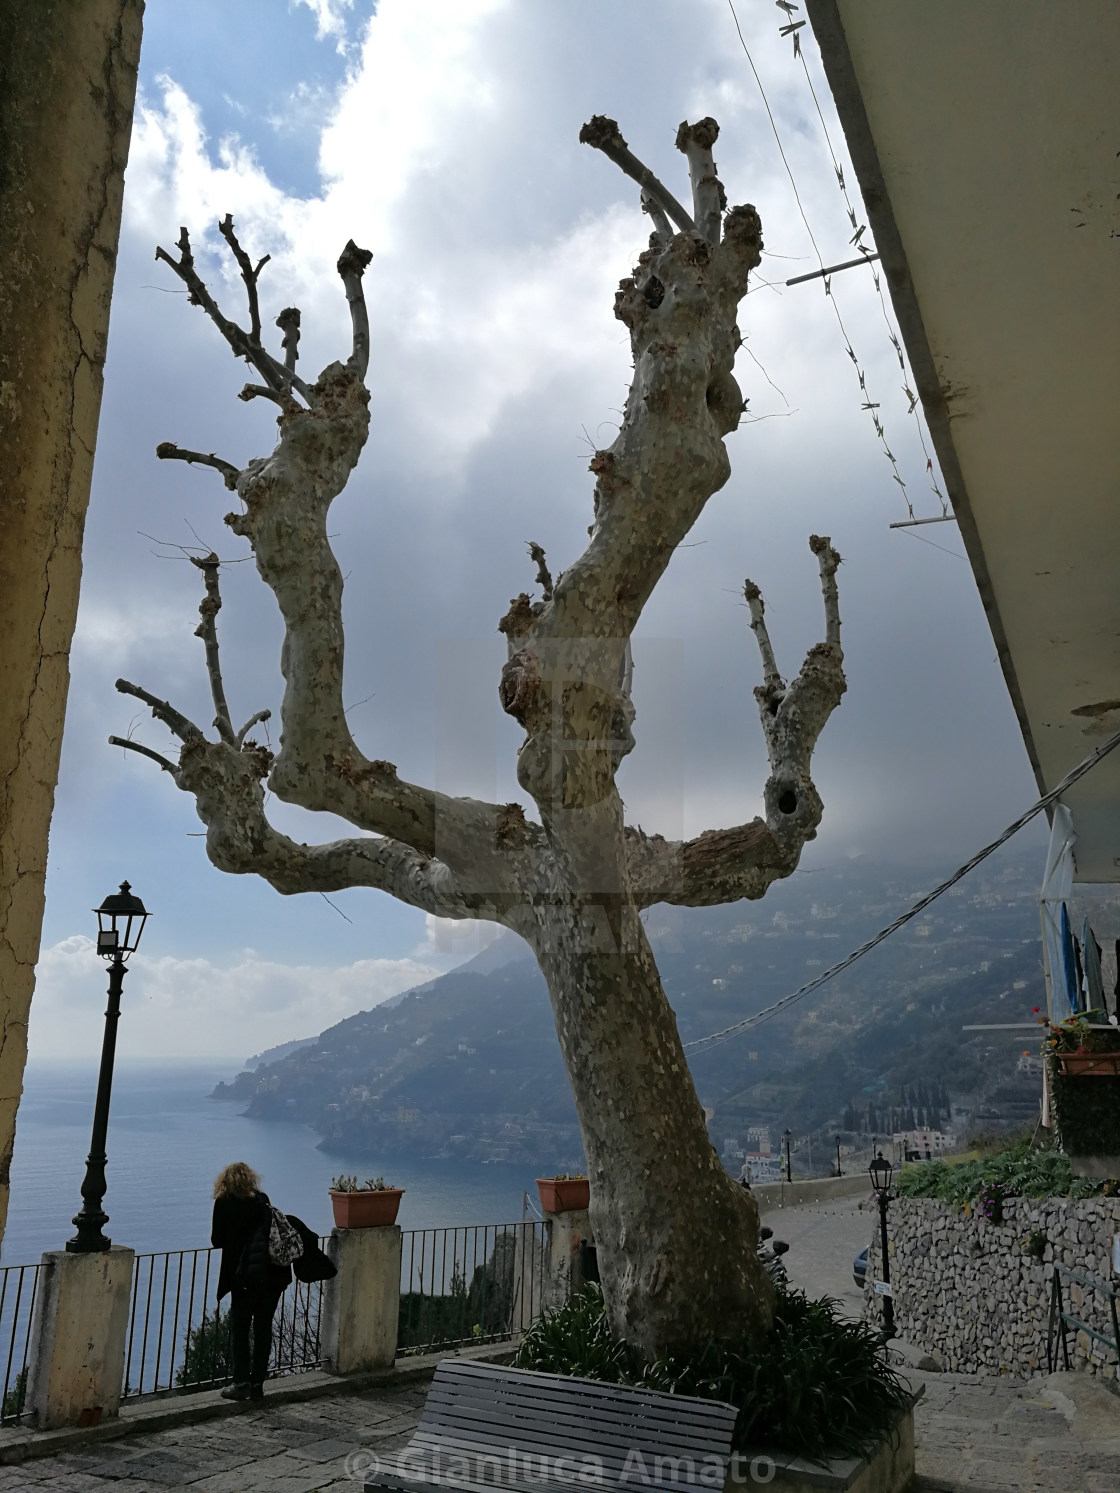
x=135 y=746
x=207 y=630
x=604 y=134
x=723 y=865
x=275 y=375
x=169 y=451
x=653 y=209
x=770 y=671
x=261 y=391
x=248 y=274
x=352 y=265
x=288 y=322
x=544 y=577
x=254 y=720
x=708 y=197
x=163 y=711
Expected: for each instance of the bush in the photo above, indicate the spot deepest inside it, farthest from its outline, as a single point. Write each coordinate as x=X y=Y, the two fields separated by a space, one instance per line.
x=206 y=1360
x=817 y=1386
x=13 y=1400
x=1017 y=1170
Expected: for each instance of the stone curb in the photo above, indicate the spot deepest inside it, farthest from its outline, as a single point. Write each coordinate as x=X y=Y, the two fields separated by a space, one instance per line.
x=23 y=1444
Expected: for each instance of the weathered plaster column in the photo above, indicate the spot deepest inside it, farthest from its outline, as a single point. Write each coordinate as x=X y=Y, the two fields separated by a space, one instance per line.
x=67 y=85
x=564 y=1233
x=358 y=1328
x=76 y=1366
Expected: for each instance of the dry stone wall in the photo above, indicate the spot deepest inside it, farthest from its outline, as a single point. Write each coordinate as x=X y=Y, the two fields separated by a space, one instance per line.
x=973 y=1294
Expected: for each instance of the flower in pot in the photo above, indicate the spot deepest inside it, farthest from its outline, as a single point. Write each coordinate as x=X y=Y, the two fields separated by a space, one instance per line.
x=564 y=1193
x=364 y=1205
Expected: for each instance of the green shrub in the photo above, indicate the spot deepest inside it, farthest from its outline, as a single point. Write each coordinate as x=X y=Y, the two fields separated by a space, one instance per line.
x=818 y=1385
x=1017 y=1171
x=13 y=1400
x=206 y=1360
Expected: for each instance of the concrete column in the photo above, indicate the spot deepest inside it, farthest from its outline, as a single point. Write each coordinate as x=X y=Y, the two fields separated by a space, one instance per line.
x=358 y=1327
x=563 y=1277
x=78 y=1336
x=67 y=82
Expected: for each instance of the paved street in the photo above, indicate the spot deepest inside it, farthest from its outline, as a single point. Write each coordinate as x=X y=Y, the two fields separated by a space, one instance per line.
x=974 y=1434
x=824 y=1239
x=320 y=1446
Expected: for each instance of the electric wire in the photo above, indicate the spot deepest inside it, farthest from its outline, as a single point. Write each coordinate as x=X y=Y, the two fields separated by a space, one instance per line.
x=716 y=1039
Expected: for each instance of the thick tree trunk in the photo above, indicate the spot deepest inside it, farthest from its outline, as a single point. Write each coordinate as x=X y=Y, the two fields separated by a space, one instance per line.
x=676 y=1237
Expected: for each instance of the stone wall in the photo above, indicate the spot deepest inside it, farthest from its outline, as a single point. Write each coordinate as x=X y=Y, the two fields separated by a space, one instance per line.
x=972 y=1293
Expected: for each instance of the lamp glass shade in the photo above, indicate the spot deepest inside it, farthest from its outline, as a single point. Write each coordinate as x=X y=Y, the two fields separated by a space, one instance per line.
x=881 y=1170
x=120 y=922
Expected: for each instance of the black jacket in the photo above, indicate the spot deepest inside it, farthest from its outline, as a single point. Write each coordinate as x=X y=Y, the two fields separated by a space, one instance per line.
x=240 y=1230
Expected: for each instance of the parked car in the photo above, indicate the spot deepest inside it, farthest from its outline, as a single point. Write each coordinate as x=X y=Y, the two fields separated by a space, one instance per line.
x=859 y=1269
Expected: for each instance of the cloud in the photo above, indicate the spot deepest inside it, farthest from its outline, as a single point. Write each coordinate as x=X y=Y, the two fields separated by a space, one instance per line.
x=449 y=146
x=198 y=1008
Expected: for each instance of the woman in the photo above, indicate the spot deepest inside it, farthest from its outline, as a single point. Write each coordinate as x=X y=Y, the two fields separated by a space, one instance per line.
x=242 y=1215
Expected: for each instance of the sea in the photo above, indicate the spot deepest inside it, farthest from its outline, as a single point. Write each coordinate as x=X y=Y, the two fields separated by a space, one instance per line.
x=167 y=1142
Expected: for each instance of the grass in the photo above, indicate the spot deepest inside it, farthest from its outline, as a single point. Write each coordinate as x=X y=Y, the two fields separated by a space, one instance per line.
x=818 y=1386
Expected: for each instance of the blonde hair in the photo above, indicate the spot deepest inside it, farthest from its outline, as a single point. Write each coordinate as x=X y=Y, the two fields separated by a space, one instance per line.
x=238 y=1180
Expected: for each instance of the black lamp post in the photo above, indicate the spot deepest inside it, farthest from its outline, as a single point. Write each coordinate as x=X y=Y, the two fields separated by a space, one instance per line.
x=839 y=1173
x=120 y=922
x=881 y=1170
x=789 y=1157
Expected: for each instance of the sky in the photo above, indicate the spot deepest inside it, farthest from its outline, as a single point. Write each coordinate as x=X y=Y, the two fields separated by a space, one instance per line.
x=443 y=136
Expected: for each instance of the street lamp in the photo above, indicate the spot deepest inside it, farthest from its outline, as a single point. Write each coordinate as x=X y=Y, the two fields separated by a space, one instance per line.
x=120 y=922
x=789 y=1157
x=839 y=1173
x=880 y=1170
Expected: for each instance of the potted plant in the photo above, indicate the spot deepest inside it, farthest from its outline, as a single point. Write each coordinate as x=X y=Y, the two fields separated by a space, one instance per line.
x=1087 y=1115
x=370 y=1204
x=564 y=1193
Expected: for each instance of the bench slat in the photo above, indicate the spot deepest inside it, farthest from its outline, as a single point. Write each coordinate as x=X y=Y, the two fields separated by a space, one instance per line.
x=468 y=1408
x=477 y=1413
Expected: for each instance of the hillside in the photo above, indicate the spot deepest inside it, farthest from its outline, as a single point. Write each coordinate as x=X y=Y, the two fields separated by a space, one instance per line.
x=468 y=1065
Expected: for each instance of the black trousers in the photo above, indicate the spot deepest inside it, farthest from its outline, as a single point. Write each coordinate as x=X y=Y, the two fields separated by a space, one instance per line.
x=251 y=1312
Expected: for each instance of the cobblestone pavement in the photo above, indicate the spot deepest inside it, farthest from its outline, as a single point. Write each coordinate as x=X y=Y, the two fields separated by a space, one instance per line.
x=1056 y=1434
x=318 y=1446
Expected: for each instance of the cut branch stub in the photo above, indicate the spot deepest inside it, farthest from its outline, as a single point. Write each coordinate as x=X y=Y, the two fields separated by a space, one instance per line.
x=352 y=264
x=604 y=134
x=708 y=197
x=288 y=322
x=793 y=715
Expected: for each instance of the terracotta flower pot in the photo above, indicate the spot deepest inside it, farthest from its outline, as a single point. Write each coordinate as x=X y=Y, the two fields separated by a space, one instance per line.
x=367 y=1209
x=1090 y=1064
x=563 y=1194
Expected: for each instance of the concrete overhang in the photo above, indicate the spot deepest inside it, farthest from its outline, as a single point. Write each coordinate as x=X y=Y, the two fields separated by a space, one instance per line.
x=986 y=138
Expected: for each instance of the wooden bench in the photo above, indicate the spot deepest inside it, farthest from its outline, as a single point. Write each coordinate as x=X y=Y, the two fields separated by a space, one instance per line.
x=485 y=1427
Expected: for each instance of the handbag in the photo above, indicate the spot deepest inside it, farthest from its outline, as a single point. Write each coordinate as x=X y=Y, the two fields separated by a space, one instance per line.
x=285 y=1245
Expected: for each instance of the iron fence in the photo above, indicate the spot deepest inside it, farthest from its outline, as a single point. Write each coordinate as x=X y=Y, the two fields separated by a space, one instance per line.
x=178 y=1338
x=476 y=1284
x=19 y=1285
x=1062 y=1320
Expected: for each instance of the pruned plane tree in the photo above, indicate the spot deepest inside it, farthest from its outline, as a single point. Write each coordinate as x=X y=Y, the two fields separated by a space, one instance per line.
x=676 y=1236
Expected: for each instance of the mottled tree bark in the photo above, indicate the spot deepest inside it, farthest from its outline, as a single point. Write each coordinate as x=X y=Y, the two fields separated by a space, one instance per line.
x=676 y=1237
x=67 y=84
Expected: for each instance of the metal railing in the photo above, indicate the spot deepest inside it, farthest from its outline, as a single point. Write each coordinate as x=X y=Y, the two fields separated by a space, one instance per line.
x=1061 y=1320
x=18 y=1287
x=178 y=1339
x=476 y=1284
